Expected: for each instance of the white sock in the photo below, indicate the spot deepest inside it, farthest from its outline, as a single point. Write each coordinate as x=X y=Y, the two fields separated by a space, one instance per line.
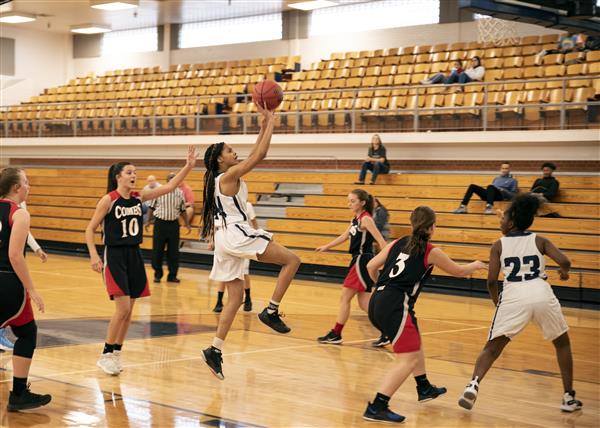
x=217 y=343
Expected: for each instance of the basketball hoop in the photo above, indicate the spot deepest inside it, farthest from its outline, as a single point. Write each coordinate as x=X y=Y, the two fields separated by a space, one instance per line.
x=497 y=32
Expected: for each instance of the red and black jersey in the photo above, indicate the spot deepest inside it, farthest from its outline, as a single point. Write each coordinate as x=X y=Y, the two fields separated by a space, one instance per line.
x=123 y=225
x=405 y=272
x=7 y=209
x=361 y=241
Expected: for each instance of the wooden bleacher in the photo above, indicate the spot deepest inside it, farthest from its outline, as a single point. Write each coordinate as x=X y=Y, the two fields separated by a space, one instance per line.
x=62 y=201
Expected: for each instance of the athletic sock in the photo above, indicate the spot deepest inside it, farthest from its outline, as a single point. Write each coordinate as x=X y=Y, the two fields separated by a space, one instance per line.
x=475 y=379
x=108 y=348
x=220 y=297
x=117 y=347
x=217 y=343
x=247 y=293
x=422 y=381
x=273 y=307
x=338 y=328
x=381 y=402
x=19 y=385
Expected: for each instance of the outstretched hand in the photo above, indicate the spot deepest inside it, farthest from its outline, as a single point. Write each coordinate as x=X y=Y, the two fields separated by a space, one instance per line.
x=192 y=156
x=265 y=112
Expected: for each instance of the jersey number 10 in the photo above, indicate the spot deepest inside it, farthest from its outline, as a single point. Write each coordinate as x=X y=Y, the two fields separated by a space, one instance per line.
x=133 y=229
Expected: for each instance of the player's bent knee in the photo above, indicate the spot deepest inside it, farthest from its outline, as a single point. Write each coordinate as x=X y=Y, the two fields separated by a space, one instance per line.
x=26 y=339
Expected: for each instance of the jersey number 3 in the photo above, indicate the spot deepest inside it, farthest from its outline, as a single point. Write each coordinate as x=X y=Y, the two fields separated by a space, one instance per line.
x=133 y=228
x=400 y=265
x=515 y=262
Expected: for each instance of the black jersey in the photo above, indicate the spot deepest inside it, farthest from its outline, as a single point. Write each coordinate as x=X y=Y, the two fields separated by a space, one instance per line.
x=404 y=272
x=361 y=241
x=7 y=209
x=123 y=223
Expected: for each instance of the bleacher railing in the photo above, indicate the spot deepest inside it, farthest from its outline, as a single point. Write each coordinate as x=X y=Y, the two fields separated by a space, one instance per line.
x=482 y=112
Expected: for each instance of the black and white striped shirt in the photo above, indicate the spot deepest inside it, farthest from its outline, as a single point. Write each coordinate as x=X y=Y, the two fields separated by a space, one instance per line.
x=168 y=207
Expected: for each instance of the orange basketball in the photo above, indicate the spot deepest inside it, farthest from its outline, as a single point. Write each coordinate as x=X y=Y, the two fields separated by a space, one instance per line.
x=269 y=93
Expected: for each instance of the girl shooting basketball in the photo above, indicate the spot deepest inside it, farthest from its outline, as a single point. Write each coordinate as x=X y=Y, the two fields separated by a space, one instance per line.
x=120 y=211
x=525 y=297
x=225 y=222
x=407 y=262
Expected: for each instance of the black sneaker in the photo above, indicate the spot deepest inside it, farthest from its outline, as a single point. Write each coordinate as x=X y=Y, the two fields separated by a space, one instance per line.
x=156 y=280
x=247 y=305
x=27 y=400
x=381 y=342
x=174 y=280
x=274 y=321
x=218 y=308
x=385 y=415
x=430 y=392
x=212 y=357
x=331 y=337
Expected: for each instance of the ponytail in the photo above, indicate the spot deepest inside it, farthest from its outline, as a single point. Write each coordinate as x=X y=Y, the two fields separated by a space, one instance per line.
x=366 y=197
x=522 y=211
x=211 y=162
x=421 y=219
x=114 y=170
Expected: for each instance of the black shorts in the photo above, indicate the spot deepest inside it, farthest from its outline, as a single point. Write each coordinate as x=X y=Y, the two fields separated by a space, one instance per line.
x=124 y=272
x=15 y=305
x=390 y=313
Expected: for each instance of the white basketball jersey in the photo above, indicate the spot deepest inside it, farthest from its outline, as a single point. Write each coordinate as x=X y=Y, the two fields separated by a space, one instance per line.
x=521 y=259
x=230 y=209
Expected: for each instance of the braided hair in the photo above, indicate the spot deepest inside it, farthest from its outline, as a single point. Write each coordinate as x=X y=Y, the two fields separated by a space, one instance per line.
x=211 y=162
x=114 y=170
x=421 y=219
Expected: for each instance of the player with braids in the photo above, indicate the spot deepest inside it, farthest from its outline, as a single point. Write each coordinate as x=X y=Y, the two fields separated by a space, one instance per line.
x=225 y=222
x=525 y=297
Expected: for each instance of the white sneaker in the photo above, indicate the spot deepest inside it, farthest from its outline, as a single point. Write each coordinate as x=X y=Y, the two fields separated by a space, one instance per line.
x=117 y=358
x=469 y=395
x=569 y=403
x=489 y=209
x=108 y=364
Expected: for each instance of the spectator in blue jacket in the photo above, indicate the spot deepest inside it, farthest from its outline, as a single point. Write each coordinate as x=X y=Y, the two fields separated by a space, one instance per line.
x=503 y=188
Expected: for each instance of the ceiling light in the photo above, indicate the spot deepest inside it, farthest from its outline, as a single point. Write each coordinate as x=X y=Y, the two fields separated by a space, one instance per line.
x=312 y=5
x=90 y=29
x=16 y=17
x=114 y=4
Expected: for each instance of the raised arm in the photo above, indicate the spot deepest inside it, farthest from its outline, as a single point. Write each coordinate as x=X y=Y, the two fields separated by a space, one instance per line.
x=150 y=194
x=371 y=227
x=555 y=254
x=18 y=237
x=337 y=241
x=101 y=210
x=494 y=271
x=377 y=262
x=438 y=258
x=258 y=153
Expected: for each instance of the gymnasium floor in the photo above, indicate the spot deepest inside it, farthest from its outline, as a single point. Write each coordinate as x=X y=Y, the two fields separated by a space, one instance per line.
x=276 y=380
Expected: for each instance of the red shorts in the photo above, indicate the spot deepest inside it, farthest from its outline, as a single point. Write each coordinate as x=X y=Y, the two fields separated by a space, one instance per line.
x=358 y=276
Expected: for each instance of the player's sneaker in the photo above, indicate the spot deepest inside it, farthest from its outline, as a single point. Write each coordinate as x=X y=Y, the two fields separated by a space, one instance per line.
x=460 y=210
x=431 y=392
x=26 y=400
x=569 y=403
x=489 y=209
x=117 y=358
x=332 y=337
x=214 y=359
x=381 y=342
x=5 y=344
x=469 y=395
x=218 y=308
x=274 y=321
x=108 y=364
x=385 y=415
x=247 y=305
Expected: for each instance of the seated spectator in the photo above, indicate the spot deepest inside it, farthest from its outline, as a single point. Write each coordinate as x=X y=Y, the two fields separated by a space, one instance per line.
x=503 y=188
x=189 y=200
x=547 y=186
x=152 y=184
x=376 y=161
x=473 y=73
x=440 y=78
x=566 y=44
x=381 y=217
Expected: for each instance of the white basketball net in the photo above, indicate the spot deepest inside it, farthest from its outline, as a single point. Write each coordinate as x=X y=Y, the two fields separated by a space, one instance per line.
x=497 y=32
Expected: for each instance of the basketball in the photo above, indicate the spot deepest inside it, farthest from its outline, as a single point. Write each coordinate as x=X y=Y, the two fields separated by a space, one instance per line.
x=269 y=93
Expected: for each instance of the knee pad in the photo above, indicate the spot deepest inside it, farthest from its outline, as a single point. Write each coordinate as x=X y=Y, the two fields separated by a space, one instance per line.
x=26 y=339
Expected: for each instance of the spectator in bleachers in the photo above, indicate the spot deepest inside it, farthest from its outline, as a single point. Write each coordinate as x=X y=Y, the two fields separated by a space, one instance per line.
x=473 y=73
x=440 y=78
x=503 y=188
x=188 y=194
x=381 y=216
x=376 y=161
x=152 y=184
x=567 y=43
x=546 y=188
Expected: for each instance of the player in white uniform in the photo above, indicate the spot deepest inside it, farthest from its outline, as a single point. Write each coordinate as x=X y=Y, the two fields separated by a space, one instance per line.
x=526 y=296
x=221 y=290
x=225 y=220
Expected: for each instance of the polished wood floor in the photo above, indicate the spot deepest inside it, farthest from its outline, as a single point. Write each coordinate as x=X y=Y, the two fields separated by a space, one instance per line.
x=274 y=380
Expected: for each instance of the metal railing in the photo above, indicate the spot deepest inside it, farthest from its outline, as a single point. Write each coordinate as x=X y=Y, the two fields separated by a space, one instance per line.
x=416 y=118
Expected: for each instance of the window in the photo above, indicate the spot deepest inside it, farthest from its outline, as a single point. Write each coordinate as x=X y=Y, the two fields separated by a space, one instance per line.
x=230 y=31
x=127 y=41
x=373 y=16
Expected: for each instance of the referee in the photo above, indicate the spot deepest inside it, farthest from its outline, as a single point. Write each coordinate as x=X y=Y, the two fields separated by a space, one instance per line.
x=166 y=210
